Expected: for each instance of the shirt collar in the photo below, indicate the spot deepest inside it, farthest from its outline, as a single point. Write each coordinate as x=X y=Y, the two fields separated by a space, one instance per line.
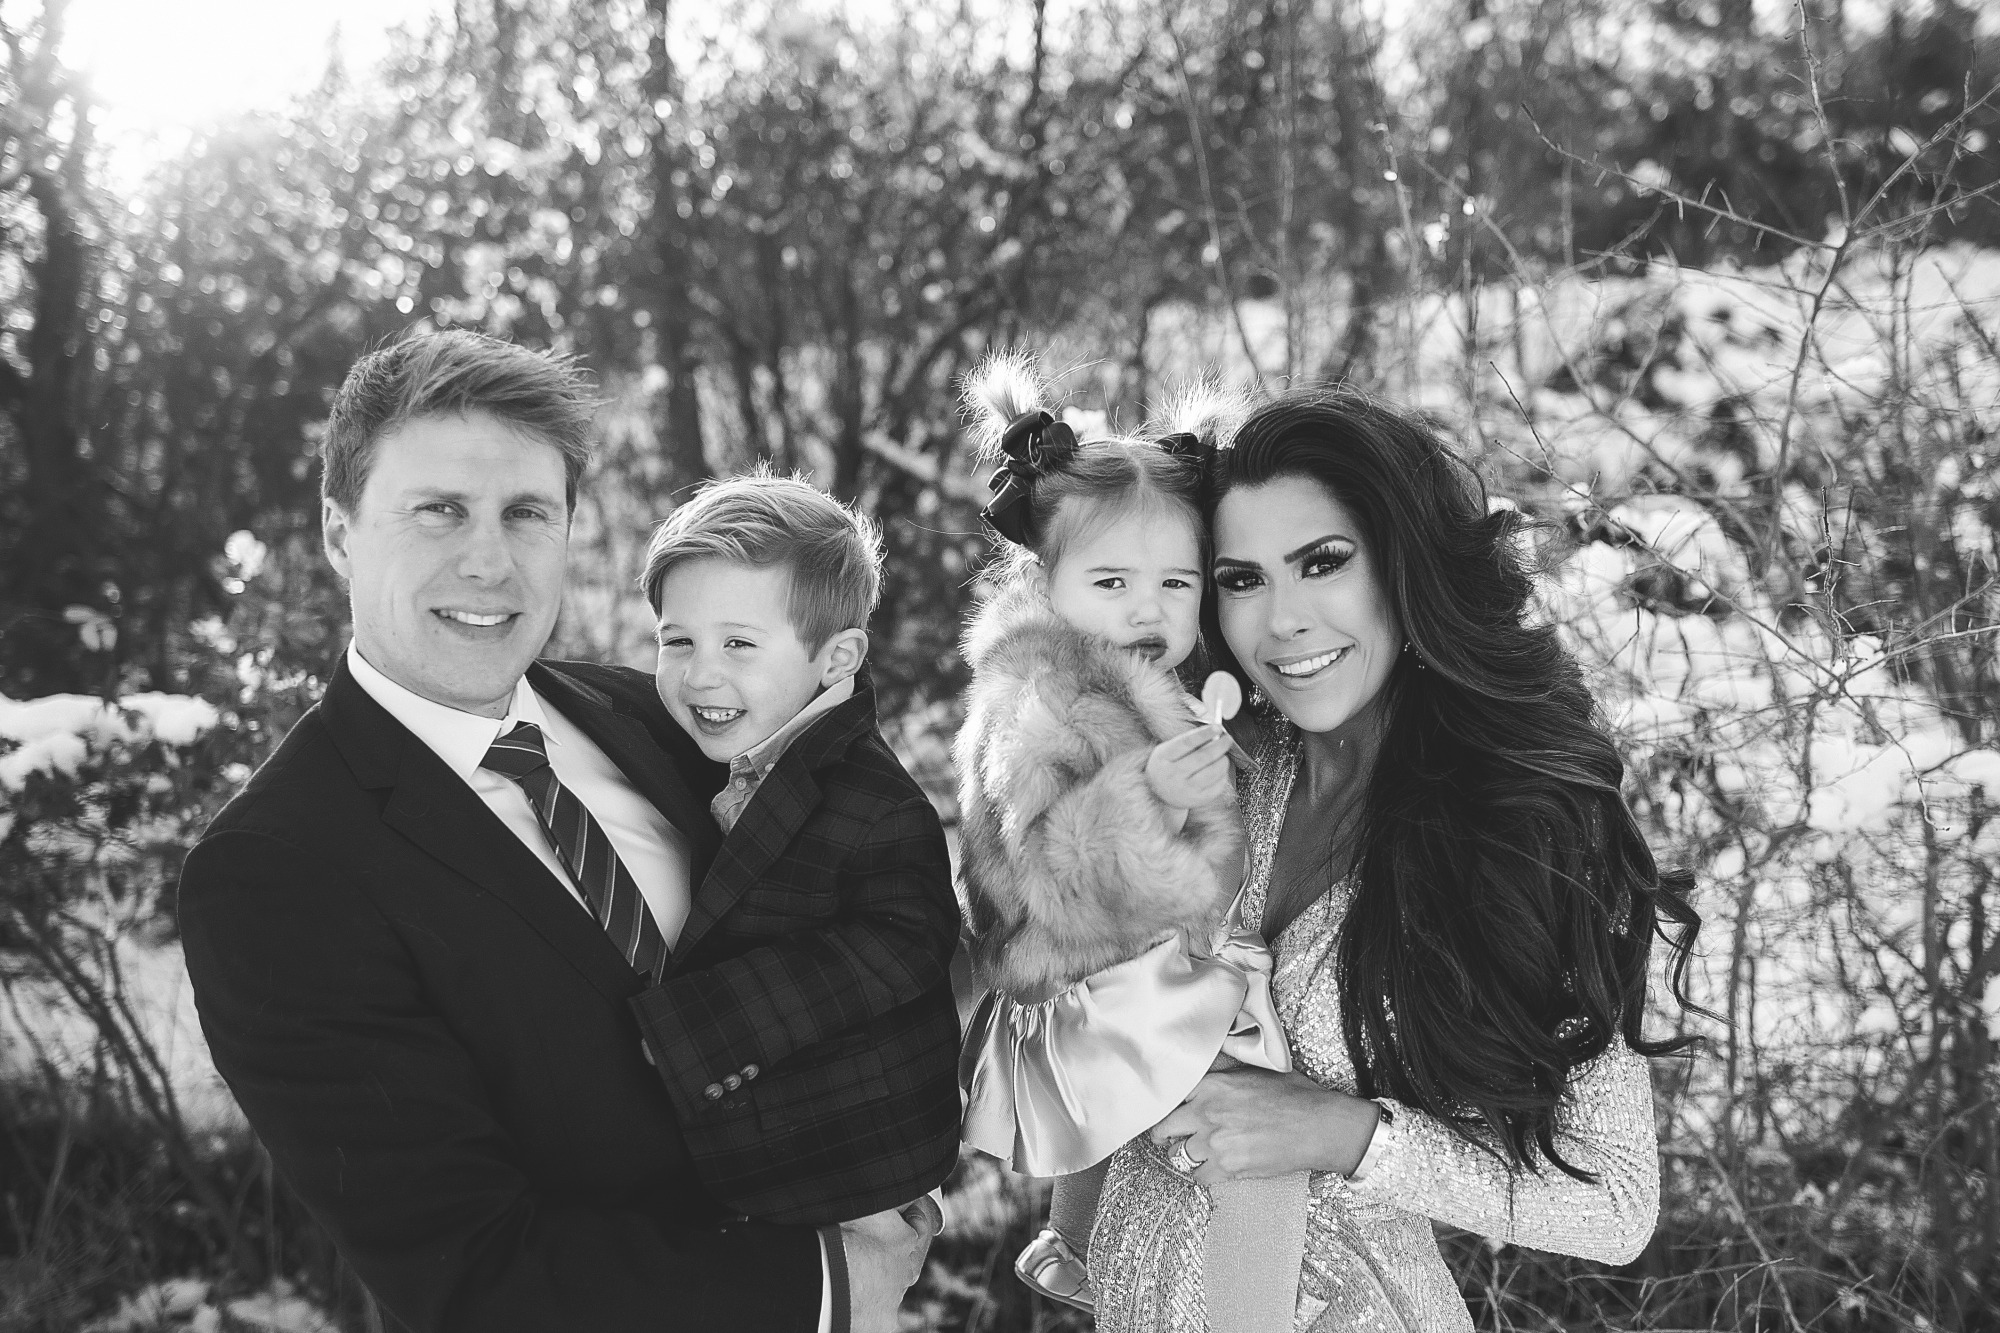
x=459 y=738
x=761 y=758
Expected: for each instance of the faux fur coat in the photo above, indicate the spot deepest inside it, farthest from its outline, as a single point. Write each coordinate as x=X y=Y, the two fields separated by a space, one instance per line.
x=1069 y=862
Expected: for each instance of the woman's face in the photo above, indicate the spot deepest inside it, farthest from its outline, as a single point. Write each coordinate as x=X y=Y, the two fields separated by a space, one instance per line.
x=1301 y=602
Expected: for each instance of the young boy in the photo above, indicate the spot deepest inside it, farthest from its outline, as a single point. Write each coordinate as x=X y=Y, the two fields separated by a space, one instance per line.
x=805 y=1027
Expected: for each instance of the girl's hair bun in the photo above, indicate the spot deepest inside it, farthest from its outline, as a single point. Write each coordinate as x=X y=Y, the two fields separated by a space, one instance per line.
x=1000 y=390
x=1204 y=409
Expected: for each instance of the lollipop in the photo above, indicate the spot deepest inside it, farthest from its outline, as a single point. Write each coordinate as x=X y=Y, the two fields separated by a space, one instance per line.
x=1221 y=696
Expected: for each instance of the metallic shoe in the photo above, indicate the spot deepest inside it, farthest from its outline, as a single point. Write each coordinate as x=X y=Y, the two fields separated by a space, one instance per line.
x=1052 y=1268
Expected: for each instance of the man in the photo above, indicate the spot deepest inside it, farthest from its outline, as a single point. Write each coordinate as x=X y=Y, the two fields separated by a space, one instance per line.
x=414 y=948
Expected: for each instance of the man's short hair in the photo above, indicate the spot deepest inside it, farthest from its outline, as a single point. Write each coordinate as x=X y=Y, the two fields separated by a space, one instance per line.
x=451 y=373
x=834 y=553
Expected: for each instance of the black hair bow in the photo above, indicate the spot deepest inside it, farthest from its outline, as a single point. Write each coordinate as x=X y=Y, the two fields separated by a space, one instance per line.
x=1034 y=443
x=1186 y=444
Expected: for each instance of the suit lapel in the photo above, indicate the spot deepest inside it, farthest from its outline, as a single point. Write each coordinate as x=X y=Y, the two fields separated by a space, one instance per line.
x=429 y=805
x=630 y=744
x=769 y=823
x=775 y=814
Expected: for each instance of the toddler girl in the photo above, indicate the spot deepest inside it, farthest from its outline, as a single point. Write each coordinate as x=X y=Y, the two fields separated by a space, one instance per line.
x=1102 y=851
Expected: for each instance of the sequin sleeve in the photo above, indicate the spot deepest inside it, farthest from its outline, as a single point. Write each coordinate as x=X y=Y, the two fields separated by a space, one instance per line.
x=1604 y=1124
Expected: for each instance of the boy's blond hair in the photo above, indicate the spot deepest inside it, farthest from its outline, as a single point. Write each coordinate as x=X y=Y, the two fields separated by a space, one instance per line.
x=833 y=553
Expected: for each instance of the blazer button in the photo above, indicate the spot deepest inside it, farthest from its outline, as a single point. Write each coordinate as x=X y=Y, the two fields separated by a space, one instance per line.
x=733 y=1082
x=750 y=1072
x=713 y=1092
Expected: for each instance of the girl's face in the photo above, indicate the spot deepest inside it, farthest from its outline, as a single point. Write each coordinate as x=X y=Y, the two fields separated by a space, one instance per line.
x=1301 y=602
x=1135 y=580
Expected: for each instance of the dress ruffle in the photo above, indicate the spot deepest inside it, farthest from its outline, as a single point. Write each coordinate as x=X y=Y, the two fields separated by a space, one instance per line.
x=1059 y=1085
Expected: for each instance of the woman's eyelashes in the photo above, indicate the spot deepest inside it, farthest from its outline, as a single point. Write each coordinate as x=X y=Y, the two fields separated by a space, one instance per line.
x=1237 y=578
x=1326 y=558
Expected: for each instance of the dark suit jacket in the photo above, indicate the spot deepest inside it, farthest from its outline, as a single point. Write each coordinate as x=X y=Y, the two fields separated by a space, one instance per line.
x=436 y=1045
x=805 y=1028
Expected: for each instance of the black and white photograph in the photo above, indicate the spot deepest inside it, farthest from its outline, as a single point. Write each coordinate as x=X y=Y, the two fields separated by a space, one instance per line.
x=999 y=666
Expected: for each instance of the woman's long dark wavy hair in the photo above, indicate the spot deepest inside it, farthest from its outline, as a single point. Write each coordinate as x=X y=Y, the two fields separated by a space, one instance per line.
x=1507 y=902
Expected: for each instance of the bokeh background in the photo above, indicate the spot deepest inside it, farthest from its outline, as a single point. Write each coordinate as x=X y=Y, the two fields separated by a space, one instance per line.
x=1711 y=287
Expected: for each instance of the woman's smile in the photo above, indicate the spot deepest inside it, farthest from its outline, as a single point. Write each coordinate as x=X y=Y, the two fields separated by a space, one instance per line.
x=1305 y=668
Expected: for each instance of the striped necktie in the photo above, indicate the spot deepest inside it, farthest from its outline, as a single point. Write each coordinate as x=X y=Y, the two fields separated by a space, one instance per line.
x=584 y=848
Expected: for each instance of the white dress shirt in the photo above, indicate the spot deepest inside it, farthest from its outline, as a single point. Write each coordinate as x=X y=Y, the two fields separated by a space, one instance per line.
x=653 y=850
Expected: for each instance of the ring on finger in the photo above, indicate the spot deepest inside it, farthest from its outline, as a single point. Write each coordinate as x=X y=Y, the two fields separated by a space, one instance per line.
x=1182 y=1160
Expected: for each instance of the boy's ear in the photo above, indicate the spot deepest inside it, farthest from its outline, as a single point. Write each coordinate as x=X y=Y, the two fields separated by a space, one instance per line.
x=842 y=656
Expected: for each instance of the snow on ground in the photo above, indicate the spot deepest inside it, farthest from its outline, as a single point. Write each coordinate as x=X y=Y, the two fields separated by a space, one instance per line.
x=39 y=1025
x=189 y=1305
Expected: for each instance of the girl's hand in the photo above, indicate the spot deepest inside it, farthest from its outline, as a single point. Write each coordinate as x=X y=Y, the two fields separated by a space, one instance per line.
x=1191 y=771
x=1249 y=1123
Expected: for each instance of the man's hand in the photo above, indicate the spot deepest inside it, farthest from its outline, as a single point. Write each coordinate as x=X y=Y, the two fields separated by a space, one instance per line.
x=885 y=1256
x=1191 y=771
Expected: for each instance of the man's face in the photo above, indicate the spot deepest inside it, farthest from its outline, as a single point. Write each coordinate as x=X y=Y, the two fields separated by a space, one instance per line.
x=454 y=557
x=732 y=670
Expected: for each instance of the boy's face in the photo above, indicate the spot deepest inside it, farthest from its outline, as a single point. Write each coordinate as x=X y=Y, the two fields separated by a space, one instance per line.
x=732 y=670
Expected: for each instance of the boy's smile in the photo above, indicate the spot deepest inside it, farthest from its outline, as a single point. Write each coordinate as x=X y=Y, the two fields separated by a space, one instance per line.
x=732 y=669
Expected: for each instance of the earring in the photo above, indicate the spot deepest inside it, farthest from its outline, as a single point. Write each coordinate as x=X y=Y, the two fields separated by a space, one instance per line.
x=1410 y=648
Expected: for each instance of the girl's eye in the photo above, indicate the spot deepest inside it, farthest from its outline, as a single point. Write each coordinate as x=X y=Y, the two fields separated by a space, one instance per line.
x=1112 y=584
x=1328 y=559
x=1238 y=580
x=1176 y=583
x=674 y=641
x=738 y=643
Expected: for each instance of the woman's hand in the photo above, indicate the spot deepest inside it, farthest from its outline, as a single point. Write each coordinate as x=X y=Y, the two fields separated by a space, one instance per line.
x=1252 y=1123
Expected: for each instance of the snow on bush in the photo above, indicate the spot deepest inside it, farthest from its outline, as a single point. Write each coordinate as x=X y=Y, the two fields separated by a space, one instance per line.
x=52 y=734
x=1785 y=493
x=1782 y=486
x=99 y=802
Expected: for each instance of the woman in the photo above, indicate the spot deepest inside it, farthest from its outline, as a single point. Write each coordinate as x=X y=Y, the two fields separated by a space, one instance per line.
x=1460 y=903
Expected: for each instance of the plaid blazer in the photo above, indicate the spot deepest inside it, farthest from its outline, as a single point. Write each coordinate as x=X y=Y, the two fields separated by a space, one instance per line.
x=805 y=1028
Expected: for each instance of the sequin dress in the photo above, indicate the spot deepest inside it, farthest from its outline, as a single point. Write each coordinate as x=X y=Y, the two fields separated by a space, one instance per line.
x=1372 y=1261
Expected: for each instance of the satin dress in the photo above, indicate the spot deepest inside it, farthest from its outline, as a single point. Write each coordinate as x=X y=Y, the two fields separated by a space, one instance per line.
x=1371 y=1259
x=1057 y=1086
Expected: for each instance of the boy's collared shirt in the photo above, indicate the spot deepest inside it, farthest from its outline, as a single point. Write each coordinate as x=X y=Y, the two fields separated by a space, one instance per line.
x=748 y=770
